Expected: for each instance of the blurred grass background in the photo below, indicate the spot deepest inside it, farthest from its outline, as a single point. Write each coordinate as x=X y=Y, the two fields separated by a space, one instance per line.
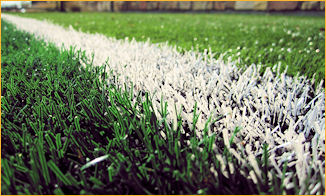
x=294 y=41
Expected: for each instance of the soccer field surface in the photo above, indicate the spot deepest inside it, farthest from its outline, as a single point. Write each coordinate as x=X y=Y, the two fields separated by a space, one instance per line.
x=155 y=119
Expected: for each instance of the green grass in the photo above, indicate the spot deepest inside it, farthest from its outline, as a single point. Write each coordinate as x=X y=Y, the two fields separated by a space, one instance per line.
x=67 y=129
x=294 y=41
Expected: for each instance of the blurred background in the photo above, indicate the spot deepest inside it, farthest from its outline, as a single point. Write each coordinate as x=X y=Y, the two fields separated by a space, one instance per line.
x=170 y=6
x=290 y=33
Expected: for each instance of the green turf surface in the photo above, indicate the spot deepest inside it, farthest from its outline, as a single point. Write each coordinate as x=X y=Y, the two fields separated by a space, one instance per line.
x=296 y=41
x=67 y=129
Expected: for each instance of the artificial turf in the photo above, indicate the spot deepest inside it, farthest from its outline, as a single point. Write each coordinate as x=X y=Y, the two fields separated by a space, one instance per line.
x=57 y=116
x=67 y=129
x=294 y=41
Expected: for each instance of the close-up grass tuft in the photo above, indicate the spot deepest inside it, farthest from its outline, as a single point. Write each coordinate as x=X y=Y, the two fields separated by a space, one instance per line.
x=67 y=129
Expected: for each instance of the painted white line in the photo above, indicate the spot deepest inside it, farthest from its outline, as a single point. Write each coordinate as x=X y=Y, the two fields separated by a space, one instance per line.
x=276 y=110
